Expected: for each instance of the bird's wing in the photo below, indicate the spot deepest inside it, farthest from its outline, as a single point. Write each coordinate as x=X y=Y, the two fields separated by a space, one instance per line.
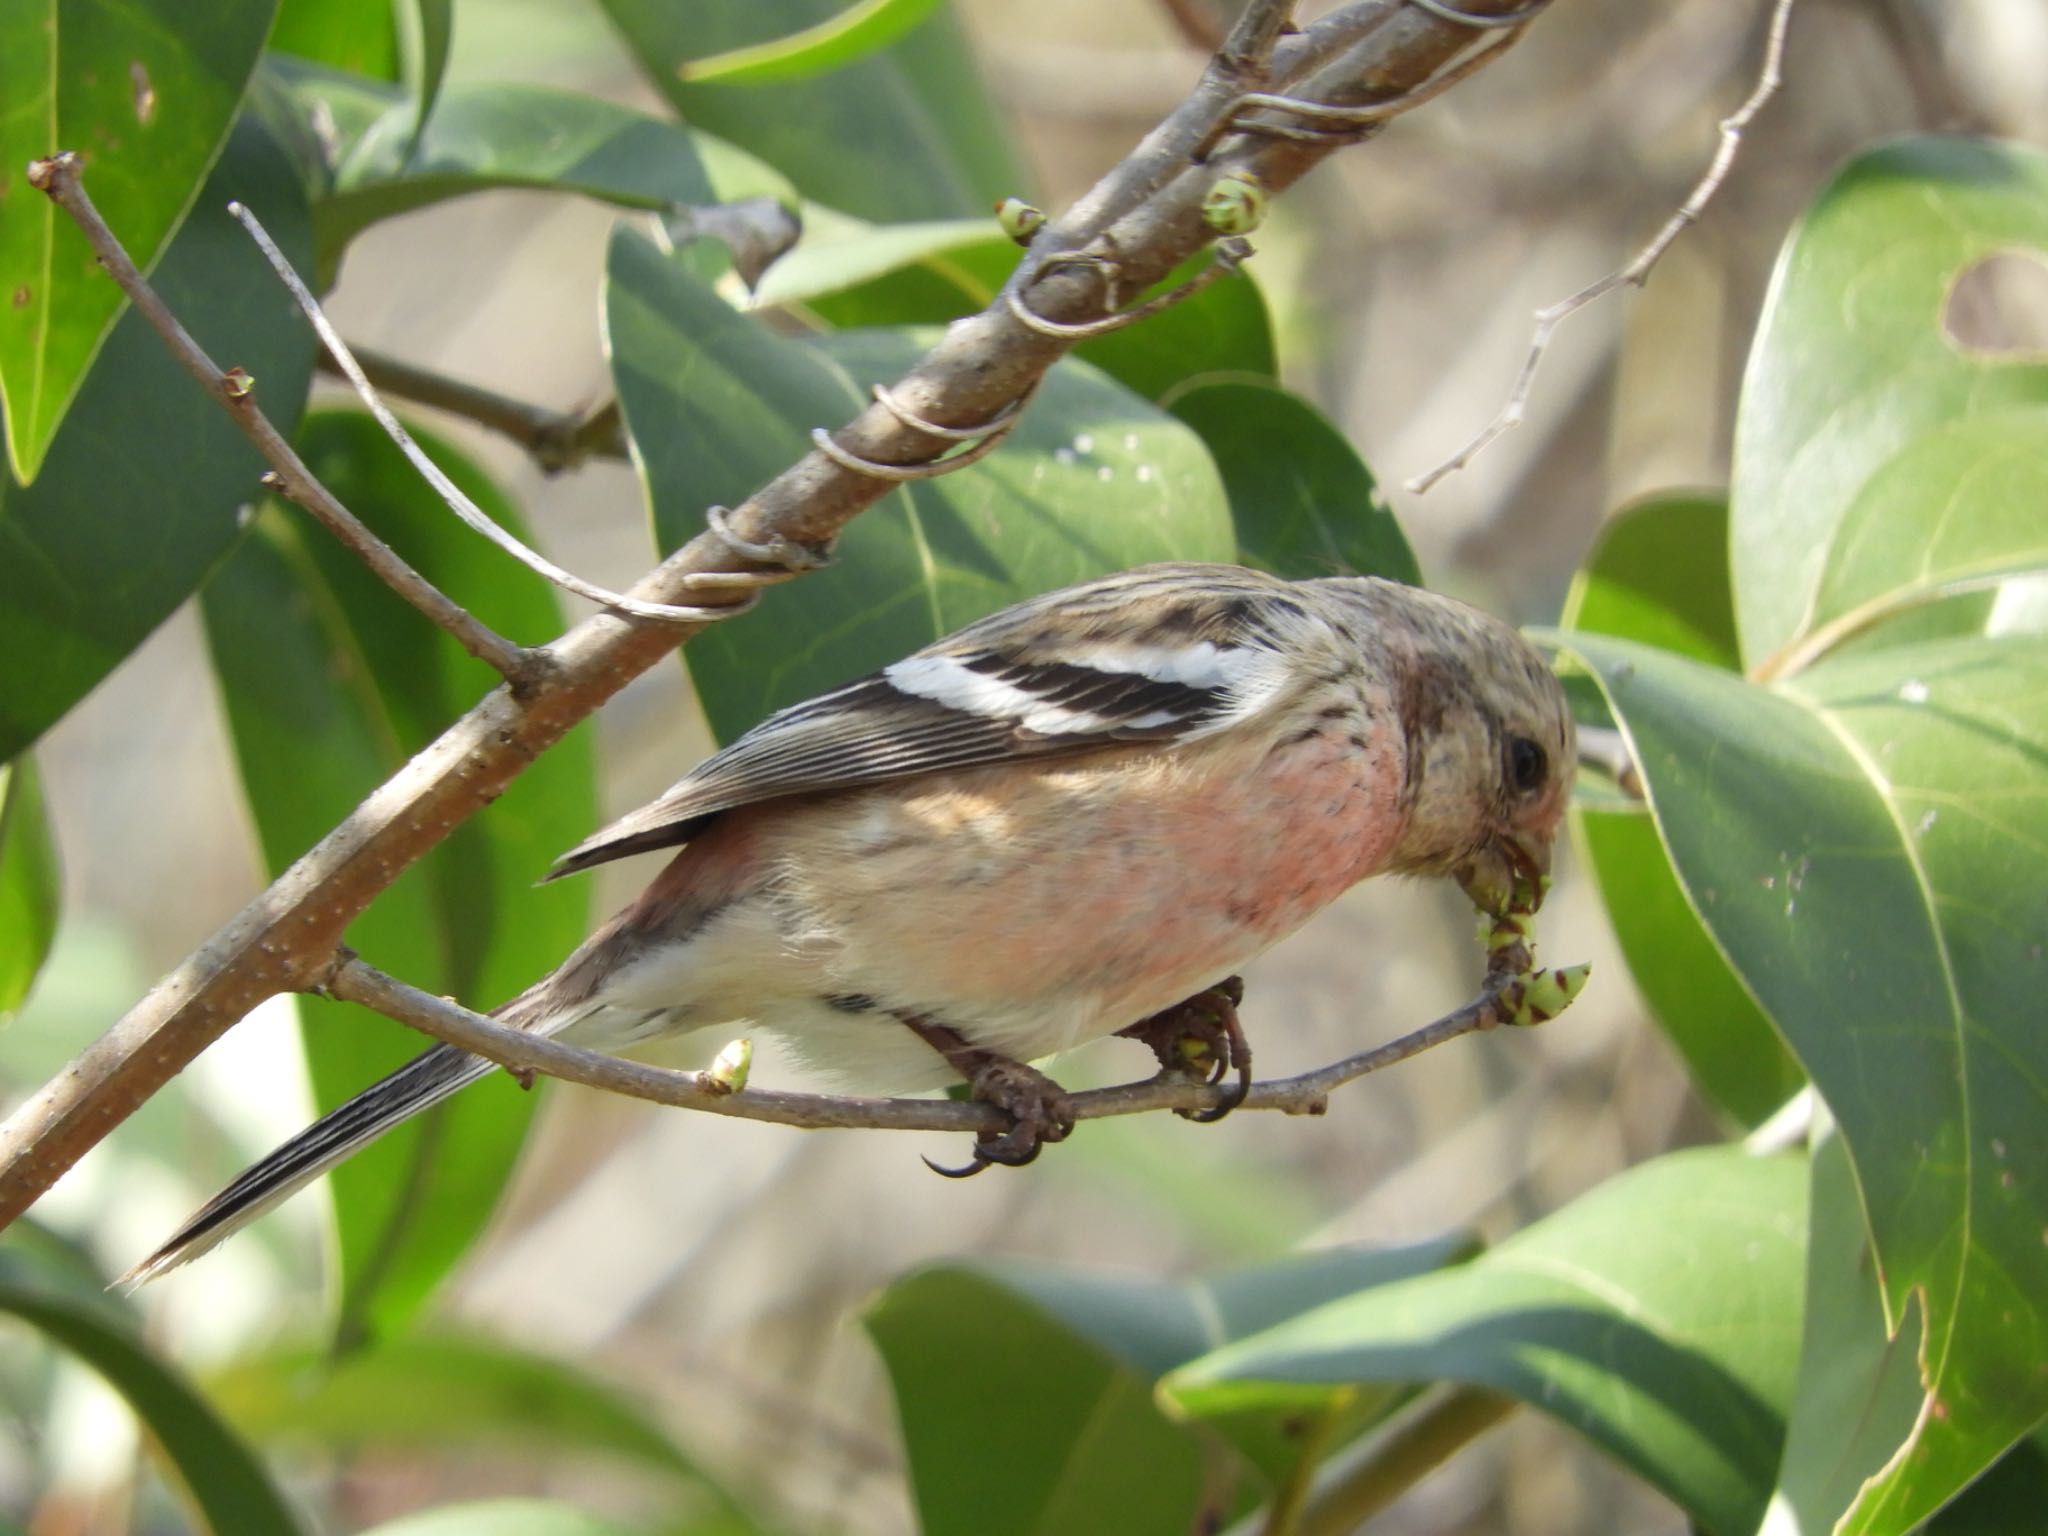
x=1164 y=655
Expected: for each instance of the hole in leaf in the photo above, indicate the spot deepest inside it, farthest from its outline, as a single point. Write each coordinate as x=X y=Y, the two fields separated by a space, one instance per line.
x=1998 y=307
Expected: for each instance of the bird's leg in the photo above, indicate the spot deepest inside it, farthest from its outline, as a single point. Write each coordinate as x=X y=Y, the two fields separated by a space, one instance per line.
x=1038 y=1107
x=1202 y=1038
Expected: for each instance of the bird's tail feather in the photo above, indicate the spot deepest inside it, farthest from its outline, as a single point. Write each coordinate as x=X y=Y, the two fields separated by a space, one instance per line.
x=419 y=1085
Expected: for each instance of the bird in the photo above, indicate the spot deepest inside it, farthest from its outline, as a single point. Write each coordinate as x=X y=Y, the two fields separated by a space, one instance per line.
x=1080 y=816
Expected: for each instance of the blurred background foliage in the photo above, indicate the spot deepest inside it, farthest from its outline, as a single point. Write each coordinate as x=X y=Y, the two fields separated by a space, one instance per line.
x=1777 y=503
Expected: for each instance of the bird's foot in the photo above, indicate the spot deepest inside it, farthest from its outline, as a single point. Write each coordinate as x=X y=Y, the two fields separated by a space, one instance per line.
x=1039 y=1109
x=1202 y=1038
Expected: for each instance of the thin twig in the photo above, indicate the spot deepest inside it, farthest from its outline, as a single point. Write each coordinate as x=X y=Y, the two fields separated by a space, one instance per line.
x=1364 y=1479
x=474 y=517
x=1637 y=272
x=288 y=934
x=352 y=980
x=59 y=176
x=557 y=440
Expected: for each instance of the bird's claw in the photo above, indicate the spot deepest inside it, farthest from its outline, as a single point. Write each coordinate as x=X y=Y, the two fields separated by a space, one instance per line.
x=1202 y=1038
x=1039 y=1111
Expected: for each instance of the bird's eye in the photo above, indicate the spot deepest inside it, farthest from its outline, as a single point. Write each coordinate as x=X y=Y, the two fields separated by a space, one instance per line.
x=1527 y=763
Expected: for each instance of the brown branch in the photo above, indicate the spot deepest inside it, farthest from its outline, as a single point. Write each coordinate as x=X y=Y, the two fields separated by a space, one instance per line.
x=1637 y=272
x=350 y=979
x=284 y=938
x=557 y=440
x=59 y=177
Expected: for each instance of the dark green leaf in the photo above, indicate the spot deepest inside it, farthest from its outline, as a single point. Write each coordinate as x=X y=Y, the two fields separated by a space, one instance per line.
x=1863 y=842
x=1660 y=575
x=440 y=1390
x=145 y=92
x=1303 y=501
x=905 y=134
x=1657 y=1315
x=1092 y=480
x=1055 y=1427
x=1852 y=364
x=436 y=35
x=331 y=684
x=863 y=27
x=342 y=34
x=31 y=886
x=225 y=1481
x=139 y=495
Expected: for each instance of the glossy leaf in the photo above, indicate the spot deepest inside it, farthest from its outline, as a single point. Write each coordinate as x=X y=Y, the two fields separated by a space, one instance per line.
x=860 y=29
x=837 y=254
x=503 y=1517
x=341 y=34
x=1092 y=480
x=31 y=886
x=1863 y=843
x=907 y=133
x=145 y=91
x=140 y=494
x=1659 y=575
x=1058 y=1410
x=331 y=684
x=1652 y=1315
x=436 y=22
x=447 y=1390
x=225 y=1482
x=1852 y=364
x=1302 y=500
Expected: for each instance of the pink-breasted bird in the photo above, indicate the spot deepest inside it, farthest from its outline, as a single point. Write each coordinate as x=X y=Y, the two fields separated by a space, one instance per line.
x=1077 y=817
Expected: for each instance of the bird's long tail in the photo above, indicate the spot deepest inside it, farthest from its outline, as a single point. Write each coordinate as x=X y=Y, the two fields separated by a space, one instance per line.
x=415 y=1087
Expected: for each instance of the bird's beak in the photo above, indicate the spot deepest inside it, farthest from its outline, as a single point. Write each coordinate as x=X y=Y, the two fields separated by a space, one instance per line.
x=1508 y=875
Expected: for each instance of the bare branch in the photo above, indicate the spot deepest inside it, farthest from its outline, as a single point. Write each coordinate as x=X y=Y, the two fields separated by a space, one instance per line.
x=1149 y=210
x=236 y=391
x=1637 y=272
x=557 y=440
x=352 y=980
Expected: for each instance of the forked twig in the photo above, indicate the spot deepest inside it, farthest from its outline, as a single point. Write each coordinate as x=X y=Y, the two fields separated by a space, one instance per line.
x=1637 y=272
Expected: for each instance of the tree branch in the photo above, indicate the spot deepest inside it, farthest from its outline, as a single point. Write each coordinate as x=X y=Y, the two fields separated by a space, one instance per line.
x=352 y=980
x=287 y=936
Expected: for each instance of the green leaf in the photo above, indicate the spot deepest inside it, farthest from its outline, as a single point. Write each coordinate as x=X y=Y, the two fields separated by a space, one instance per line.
x=501 y=1517
x=1852 y=363
x=341 y=34
x=1863 y=842
x=440 y=1390
x=331 y=684
x=838 y=253
x=907 y=133
x=228 y=1486
x=1056 y=1422
x=1657 y=1315
x=145 y=91
x=852 y=34
x=138 y=498
x=436 y=20
x=31 y=885
x=1659 y=575
x=1092 y=480
x=1303 y=502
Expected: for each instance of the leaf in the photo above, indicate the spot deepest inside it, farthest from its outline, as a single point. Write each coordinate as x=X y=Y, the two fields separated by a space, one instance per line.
x=1659 y=575
x=1303 y=502
x=339 y=34
x=31 y=885
x=436 y=21
x=852 y=34
x=226 y=1483
x=1092 y=480
x=838 y=253
x=1055 y=1424
x=907 y=133
x=441 y=1390
x=139 y=495
x=1656 y=1315
x=145 y=92
x=501 y=1517
x=331 y=683
x=1851 y=364
x=1864 y=844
